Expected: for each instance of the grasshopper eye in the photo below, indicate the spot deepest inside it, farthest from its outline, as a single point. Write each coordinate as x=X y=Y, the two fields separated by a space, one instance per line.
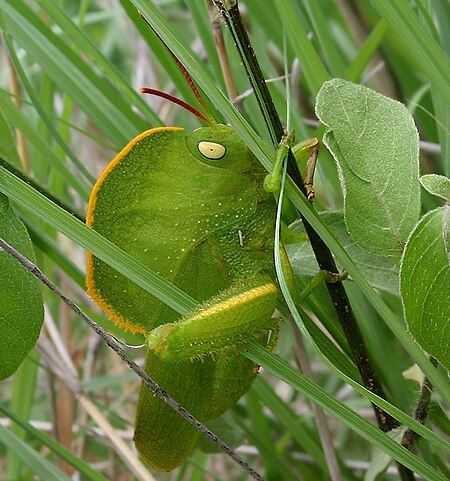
x=211 y=150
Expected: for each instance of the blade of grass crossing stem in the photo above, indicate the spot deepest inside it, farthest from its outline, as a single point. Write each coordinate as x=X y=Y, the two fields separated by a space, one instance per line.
x=368 y=431
x=240 y=39
x=437 y=378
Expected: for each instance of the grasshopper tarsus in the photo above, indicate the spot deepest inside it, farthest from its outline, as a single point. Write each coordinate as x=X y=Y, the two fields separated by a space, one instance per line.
x=310 y=194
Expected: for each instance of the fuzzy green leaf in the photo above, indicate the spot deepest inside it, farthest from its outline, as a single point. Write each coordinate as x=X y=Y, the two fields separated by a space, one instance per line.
x=437 y=185
x=376 y=147
x=21 y=305
x=425 y=284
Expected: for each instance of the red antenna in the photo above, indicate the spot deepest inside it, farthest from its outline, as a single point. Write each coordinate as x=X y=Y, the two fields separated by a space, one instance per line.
x=175 y=100
x=188 y=77
x=208 y=118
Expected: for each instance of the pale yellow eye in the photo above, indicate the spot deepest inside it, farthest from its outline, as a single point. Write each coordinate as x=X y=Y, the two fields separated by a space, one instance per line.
x=211 y=150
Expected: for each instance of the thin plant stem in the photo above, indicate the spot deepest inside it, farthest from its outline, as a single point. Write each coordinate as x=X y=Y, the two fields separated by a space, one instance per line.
x=216 y=28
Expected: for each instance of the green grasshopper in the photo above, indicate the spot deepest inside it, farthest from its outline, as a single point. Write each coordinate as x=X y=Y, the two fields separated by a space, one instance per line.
x=191 y=207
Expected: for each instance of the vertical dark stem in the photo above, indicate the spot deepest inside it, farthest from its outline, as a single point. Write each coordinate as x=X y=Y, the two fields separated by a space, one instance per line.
x=344 y=311
x=252 y=69
x=323 y=255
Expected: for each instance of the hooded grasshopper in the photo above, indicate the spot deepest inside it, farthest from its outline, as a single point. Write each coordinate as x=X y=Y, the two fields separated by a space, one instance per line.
x=191 y=207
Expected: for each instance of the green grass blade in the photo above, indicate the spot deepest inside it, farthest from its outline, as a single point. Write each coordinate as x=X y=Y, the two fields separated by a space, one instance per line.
x=312 y=66
x=267 y=453
x=84 y=44
x=36 y=462
x=45 y=118
x=203 y=27
x=291 y=422
x=23 y=388
x=430 y=58
x=20 y=121
x=366 y=52
x=261 y=436
x=53 y=251
x=324 y=37
x=100 y=102
x=81 y=466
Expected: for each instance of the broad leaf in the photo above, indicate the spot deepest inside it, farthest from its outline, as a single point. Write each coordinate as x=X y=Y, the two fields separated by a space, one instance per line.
x=376 y=146
x=425 y=284
x=21 y=305
x=437 y=185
